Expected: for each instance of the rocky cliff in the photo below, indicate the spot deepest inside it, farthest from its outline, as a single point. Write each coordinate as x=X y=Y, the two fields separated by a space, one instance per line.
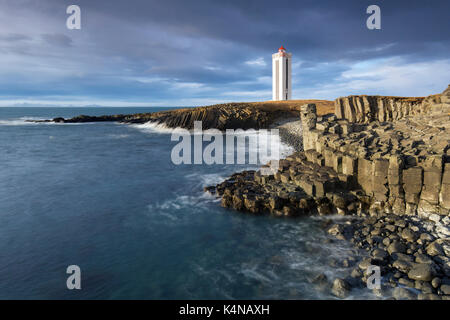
x=393 y=175
x=400 y=166
x=365 y=109
x=221 y=116
x=397 y=150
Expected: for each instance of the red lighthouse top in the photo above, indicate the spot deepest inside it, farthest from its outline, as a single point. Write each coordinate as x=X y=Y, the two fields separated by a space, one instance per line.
x=282 y=49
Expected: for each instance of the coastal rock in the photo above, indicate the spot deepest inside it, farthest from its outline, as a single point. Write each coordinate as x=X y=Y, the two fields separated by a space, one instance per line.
x=395 y=247
x=386 y=160
x=379 y=254
x=340 y=288
x=434 y=249
x=220 y=116
x=422 y=271
x=428 y=296
x=445 y=289
x=402 y=266
x=336 y=229
x=400 y=293
x=408 y=235
x=423 y=258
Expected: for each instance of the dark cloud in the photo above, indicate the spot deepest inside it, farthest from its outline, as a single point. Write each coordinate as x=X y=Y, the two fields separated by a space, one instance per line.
x=57 y=39
x=14 y=37
x=124 y=46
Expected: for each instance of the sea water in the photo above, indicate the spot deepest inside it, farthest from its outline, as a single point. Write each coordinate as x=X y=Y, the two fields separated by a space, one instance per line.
x=107 y=197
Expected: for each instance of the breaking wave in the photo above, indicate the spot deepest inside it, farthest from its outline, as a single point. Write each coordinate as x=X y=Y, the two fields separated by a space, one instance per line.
x=21 y=121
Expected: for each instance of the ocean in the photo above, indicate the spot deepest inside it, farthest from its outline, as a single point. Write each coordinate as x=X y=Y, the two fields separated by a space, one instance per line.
x=107 y=197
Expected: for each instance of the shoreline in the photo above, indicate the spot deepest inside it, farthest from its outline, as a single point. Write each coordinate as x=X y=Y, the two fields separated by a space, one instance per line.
x=290 y=131
x=411 y=247
x=369 y=162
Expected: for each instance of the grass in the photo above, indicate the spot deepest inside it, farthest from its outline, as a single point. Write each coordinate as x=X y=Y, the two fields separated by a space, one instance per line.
x=323 y=106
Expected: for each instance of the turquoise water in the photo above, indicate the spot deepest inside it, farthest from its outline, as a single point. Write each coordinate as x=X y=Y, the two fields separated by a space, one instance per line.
x=107 y=198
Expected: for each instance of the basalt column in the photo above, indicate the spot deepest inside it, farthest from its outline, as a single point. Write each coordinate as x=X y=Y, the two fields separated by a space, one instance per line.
x=308 y=115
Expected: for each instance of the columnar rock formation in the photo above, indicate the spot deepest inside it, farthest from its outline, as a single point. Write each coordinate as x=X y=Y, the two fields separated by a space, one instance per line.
x=356 y=164
x=365 y=109
x=403 y=165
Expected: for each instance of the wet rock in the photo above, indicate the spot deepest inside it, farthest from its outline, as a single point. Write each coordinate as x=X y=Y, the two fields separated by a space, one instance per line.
x=403 y=294
x=408 y=235
x=407 y=282
x=58 y=120
x=403 y=266
x=320 y=279
x=425 y=237
x=434 y=249
x=445 y=289
x=428 y=296
x=379 y=254
x=321 y=282
x=436 y=282
x=423 y=258
x=423 y=286
x=421 y=271
x=365 y=263
x=402 y=256
x=340 y=288
x=336 y=229
x=391 y=228
x=356 y=273
x=386 y=242
x=396 y=246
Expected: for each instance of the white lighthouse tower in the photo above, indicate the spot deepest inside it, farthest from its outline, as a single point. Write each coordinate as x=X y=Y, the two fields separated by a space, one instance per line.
x=281 y=75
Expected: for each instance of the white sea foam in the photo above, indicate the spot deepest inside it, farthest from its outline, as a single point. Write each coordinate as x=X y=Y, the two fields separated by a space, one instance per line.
x=29 y=121
x=207 y=179
x=156 y=127
x=170 y=208
x=260 y=147
x=119 y=136
x=21 y=121
x=284 y=150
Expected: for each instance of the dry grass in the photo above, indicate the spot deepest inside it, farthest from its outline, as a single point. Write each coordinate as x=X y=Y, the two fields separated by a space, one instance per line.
x=323 y=106
x=290 y=106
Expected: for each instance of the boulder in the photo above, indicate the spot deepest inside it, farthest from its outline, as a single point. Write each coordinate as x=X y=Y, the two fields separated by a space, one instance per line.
x=422 y=272
x=408 y=235
x=400 y=293
x=395 y=247
x=434 y=249
x=340 y=288
x=445 y=288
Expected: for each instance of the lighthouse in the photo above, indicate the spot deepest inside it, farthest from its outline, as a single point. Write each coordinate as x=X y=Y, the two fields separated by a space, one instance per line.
x=281 y=75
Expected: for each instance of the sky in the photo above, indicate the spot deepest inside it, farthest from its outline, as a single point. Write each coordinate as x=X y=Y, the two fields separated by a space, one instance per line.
x=200 y=52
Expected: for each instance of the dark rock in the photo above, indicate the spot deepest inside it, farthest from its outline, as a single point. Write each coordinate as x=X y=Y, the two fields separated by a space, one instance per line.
x=436 y=282
x=396 y=246
x=400 y=293
x=423 y=258
x=421 y=271
x=58 y=120
x=408 y=235
x=340 y=288
x=407 y=282
x=434 y=249
x=403 y=266
x=428 y=296
x=445 y=289
x=379 y=254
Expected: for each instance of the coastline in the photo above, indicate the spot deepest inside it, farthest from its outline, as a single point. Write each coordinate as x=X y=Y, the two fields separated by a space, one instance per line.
x=290 y=131
x=409 y=245
x=348 y=165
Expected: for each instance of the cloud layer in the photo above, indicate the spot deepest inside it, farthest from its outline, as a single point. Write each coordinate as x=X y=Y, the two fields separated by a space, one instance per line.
x=198 y=52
